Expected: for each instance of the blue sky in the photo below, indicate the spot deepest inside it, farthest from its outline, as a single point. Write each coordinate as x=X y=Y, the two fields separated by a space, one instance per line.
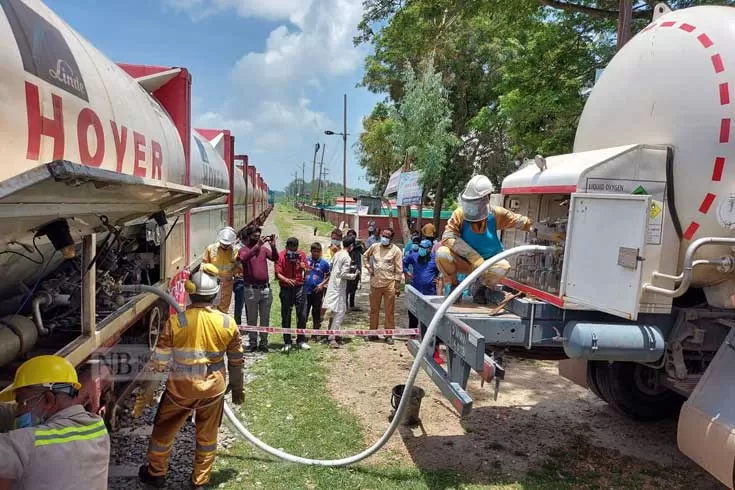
x=271 y=71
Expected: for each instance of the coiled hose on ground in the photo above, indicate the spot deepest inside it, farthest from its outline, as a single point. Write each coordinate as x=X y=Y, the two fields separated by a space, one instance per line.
x=428 y=337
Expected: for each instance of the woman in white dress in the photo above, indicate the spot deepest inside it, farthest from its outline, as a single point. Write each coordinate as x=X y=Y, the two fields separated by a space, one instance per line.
x=335 y=299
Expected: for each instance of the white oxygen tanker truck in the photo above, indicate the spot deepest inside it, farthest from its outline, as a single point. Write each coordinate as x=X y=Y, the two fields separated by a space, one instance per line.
x=639 y=302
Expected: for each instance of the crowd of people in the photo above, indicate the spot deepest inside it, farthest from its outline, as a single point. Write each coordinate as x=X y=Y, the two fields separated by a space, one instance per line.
x=322 y=284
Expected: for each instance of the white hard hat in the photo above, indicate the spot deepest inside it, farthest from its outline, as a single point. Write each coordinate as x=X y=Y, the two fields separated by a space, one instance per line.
x=226 y=236
x=204 y=282
x=478 y=187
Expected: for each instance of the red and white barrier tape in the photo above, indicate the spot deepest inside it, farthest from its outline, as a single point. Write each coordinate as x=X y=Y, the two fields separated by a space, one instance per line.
x=344 y=333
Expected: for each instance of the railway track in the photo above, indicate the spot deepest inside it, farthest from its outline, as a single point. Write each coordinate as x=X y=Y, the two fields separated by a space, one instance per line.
x=129 y=443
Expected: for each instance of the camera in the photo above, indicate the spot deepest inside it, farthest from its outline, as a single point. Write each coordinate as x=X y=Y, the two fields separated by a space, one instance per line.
x=292 y=256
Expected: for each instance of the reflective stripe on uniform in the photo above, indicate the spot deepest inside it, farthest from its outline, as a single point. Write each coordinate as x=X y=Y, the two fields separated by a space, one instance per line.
x=160 y=355
x=197 y=355
x=158 y=448
x=206 y=448
x=198 y=368
x=47 y=437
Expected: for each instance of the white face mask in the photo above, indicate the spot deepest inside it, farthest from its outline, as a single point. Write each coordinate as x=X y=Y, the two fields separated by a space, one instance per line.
x=385 y=241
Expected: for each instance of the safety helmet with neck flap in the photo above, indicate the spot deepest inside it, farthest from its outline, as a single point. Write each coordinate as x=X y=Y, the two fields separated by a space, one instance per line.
x=226 y=236
x=475 y=199
x=204 y=282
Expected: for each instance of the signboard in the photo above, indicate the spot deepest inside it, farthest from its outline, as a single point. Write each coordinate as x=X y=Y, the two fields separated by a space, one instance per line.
x=392 y=186
x=409 y=189
x=656 y=189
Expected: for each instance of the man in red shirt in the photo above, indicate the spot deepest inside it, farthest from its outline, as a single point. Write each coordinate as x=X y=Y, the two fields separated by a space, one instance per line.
x=254 y=256
x=291 y=269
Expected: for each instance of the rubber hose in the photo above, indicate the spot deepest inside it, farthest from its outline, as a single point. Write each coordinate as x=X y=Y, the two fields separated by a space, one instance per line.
x=142 y=288
x=428 y=336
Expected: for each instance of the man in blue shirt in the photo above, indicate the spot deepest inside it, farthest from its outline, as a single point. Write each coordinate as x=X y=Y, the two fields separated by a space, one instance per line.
x=314 y=285
x=420 y=270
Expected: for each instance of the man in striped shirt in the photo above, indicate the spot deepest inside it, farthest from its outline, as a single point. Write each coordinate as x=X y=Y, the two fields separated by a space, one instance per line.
x=51 y=428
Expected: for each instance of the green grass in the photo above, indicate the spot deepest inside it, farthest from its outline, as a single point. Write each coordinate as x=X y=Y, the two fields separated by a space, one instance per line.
x=286 y=214
x=288 y=406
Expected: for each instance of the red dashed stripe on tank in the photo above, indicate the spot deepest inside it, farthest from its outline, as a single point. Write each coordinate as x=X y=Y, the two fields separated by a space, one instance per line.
x=723 y=90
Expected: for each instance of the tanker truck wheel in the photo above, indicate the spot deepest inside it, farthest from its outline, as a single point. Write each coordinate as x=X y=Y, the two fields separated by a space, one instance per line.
x=592 y=380
x=633 y=390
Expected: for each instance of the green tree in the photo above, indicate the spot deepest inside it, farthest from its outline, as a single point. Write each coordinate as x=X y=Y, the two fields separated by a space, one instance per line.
x=375 y=150
x=421 y=133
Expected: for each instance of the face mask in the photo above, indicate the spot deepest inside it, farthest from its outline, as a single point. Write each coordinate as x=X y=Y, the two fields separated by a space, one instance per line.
x=335 y=243
x=423 y=252
x=28 y=419
x=476 y=210
x=384 y=241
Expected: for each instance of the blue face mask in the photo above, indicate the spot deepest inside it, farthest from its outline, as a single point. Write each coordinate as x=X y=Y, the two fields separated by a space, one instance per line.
x=415 y=247
x=335 y=243
x=423 y=252
x=28 y=419
x=385 y=241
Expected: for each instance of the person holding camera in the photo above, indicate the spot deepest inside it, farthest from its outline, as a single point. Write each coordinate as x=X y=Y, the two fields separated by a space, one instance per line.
x=291 y=269
x=254 y=255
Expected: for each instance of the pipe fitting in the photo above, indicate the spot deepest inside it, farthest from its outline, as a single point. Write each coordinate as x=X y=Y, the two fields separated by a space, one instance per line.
x=685 y=278
x=46 y=299
x=142 y=288
x=727 y=264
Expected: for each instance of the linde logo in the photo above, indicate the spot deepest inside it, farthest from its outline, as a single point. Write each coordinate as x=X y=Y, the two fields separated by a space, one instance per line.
x=65 y=74
x=44 y=50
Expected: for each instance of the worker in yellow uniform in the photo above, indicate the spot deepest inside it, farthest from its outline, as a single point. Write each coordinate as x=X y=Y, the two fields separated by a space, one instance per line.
x=56 y=444
x=196 y=381
x=471 y=237
x=223 y=255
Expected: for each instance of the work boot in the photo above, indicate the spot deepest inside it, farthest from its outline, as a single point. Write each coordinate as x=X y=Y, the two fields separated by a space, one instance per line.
x=494 y=297
x=148 y=479
x=479 y=295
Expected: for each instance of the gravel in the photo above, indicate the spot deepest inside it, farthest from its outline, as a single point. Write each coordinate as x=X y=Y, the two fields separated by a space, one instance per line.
x=130 y=443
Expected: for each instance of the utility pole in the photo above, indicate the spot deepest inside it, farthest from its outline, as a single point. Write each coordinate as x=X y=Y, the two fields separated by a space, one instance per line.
x=295 y=185
x=313 y=174
x=326 y=184
x=344 y=161
x=321 y=165
x=303 y=182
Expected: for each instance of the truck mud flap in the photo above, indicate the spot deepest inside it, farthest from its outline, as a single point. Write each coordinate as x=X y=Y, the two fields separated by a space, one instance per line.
x=706 y=431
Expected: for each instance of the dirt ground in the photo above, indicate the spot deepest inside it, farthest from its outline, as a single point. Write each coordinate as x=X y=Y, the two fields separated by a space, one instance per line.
x=537 y=415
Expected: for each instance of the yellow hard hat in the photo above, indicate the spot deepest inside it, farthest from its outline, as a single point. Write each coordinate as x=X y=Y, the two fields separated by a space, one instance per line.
x=44 y=371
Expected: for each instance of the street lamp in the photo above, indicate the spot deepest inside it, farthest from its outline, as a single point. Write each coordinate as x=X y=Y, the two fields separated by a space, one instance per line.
x=344 y=135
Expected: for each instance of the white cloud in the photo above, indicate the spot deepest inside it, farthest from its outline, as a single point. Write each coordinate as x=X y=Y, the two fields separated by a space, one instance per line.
x=215 y=120
x=274 y=10
x=270 y=109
